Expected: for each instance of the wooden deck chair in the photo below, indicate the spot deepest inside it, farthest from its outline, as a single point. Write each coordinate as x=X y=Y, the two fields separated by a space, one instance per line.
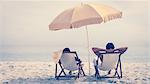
x=68 y=61
x=111 y=60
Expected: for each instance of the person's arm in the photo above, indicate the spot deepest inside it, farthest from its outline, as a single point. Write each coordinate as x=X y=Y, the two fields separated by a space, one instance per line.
x=121 y=50
x=76 y=58
x=98 y=49
x=74 y=52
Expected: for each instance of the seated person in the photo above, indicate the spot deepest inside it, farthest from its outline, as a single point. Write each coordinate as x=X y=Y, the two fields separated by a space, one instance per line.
x=67 y=50
x=109 y=49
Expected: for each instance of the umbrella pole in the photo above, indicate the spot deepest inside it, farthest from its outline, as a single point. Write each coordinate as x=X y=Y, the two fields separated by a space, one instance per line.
x=88 y=49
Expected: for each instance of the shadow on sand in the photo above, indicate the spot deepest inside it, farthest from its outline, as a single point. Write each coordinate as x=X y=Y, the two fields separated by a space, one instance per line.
x=52 y=80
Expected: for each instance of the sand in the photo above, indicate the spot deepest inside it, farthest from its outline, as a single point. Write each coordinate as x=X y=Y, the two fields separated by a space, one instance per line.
x=43 y=73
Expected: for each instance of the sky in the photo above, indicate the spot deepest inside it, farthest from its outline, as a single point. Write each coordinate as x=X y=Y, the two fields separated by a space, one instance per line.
x=24 y=24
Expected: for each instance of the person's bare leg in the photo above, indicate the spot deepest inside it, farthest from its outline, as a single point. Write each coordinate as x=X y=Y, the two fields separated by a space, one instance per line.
x=109 y=72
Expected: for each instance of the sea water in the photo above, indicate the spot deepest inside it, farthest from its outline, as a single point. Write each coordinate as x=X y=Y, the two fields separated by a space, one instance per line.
x=44 y=53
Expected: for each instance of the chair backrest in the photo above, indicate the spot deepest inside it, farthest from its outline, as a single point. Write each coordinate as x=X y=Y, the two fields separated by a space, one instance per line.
x=110 y=61
x=68 y=61
x=110 y=57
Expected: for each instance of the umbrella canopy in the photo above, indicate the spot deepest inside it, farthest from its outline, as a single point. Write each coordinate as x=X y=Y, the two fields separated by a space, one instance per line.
x=85 y=14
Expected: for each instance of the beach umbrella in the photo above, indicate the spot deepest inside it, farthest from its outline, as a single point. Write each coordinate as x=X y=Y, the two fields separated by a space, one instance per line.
x=84 y=15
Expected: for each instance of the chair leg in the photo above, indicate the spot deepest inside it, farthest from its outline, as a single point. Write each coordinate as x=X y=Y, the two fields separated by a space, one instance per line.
x=118 y=75
x=60 y=73
x=117 y=65
x=96 y=71
x=56 y=71
x=81 y=70
x=116 y=71
x=120 y=69
x=62 y=70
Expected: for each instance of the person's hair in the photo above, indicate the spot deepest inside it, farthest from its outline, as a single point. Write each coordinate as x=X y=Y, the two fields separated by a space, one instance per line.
x=66 y=50
x=110 y=46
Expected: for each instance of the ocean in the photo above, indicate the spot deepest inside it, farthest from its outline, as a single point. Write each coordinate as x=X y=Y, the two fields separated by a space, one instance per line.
x=44 y=53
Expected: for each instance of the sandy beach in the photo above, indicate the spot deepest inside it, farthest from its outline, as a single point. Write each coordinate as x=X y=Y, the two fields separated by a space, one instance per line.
x=43 y=73
x=32 y=30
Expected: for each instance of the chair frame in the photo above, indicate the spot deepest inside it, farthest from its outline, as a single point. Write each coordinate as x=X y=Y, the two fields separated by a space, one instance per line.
x=80 y=70
x=118 y=68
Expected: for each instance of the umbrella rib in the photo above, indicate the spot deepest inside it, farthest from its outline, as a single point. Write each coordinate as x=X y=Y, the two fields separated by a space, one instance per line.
x=95 y=11
x=94 y=20
x=109 y=17
x=71 y=26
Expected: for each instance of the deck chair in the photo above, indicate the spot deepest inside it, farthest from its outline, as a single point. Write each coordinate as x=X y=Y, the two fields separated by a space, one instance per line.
x=111 y=60
x=68 y=62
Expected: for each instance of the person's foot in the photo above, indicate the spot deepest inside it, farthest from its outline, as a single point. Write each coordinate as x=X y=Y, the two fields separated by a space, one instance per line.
x=70 y=72
x=109 y=72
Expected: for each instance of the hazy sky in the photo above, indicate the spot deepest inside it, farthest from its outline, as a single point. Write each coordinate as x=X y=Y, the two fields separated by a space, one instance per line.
x=25 y=23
